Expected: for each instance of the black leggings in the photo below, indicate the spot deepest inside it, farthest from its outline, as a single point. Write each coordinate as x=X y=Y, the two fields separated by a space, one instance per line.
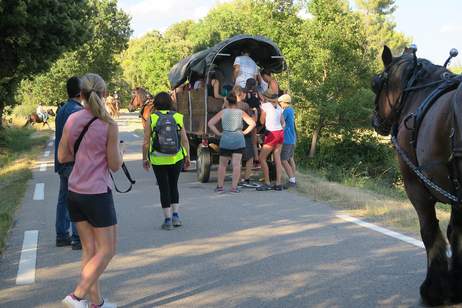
x=167 y=179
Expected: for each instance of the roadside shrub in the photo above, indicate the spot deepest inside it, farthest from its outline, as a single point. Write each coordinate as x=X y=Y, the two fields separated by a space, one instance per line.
x=349 y=160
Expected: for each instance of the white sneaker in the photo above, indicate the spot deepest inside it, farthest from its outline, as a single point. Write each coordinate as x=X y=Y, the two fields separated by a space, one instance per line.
x=105 y=305
x=70 y=302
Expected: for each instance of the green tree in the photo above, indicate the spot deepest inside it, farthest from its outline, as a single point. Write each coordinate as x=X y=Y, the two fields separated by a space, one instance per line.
x=380 y=28
x=109 y=35
x=34 y=34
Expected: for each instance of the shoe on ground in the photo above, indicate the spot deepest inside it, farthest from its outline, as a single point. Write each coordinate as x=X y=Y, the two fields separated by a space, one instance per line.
x=176 y=222
x=76 y=245
x=277 y=187
x=292 y=185
x=106 y=304
x=235 y=190
x=71 y=302
x=61 y=242
x=167 y=225
x=219 y=190
x=264 y=187
x=243 y=182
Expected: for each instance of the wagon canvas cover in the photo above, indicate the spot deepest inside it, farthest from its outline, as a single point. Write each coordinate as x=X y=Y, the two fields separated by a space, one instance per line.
x=264 y=52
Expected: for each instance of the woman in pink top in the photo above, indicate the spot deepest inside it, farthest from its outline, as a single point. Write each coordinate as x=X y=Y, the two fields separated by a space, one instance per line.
x=91 y=205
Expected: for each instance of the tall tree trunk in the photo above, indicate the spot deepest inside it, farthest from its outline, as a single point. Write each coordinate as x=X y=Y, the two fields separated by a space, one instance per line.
x=315 y=138
x=2 y=106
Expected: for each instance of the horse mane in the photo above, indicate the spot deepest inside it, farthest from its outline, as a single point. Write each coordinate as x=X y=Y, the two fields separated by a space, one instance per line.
x=428 y=71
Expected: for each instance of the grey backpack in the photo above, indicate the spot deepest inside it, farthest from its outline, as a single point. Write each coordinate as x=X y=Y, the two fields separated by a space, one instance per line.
x=166 y=134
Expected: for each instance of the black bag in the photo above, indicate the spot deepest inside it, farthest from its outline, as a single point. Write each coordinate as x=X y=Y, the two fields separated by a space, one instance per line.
x=124 y=167
x=166 y=135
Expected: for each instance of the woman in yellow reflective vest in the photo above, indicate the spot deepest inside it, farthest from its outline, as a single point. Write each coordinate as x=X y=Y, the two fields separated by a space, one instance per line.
x=167 y=165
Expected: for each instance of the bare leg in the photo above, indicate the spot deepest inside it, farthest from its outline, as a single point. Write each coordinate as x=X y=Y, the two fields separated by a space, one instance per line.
x=236 y=159
x=292 y=164
x=167 y=212
x=248 y=169
x=277 y=161
x=288 y=168
x=255 y=143
x=222 y=170
x=87 y=239
x=105 y=250
x=264 y=152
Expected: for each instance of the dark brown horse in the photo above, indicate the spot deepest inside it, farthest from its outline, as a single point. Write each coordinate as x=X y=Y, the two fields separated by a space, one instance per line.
x=34 y=118
x=420 y=104
x=141 y=99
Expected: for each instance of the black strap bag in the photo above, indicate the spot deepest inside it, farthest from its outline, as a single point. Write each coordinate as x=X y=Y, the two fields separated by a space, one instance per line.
x=124 y=167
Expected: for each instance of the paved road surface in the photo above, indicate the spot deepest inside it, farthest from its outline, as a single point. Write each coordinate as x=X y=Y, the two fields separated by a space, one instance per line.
x=255 y=249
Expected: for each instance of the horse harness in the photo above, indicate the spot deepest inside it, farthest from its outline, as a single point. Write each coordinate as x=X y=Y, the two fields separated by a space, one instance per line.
x=145 y=104
x=447 y=83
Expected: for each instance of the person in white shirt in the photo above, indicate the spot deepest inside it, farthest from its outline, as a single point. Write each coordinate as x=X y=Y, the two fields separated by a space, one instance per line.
x=41 y=112
x=244 y=68
x=273 y=119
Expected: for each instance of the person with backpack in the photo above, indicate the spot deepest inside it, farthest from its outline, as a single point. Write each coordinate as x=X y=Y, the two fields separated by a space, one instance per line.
x=232 y=142
x=166 y=149
x=92 y=133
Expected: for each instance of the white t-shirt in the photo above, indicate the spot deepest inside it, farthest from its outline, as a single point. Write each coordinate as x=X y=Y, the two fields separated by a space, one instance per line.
x=247 y=69
x=273 y=116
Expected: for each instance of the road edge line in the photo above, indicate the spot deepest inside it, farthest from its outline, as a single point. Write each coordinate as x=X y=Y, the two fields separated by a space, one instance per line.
x=396 y=235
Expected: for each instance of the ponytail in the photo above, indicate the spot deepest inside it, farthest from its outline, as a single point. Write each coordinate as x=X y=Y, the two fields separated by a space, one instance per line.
x=93 y=89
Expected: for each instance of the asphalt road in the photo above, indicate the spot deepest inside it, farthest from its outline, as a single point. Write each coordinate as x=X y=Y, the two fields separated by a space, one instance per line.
x=255 y=249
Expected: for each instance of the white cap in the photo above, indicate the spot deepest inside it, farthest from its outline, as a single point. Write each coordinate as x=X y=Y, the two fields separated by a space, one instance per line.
x=285 y=98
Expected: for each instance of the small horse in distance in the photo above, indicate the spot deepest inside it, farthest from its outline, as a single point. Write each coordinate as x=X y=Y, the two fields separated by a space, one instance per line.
x=34 y=118
x=141 y=99
x=420 y=105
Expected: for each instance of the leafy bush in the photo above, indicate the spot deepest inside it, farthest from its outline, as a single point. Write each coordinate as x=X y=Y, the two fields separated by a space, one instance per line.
x=352 y=160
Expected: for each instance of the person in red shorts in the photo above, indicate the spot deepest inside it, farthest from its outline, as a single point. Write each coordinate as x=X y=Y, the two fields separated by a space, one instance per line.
x=271 y=116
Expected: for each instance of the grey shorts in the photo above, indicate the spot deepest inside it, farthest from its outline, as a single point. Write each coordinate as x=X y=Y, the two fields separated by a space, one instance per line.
x=248 y=151
x=287 y=151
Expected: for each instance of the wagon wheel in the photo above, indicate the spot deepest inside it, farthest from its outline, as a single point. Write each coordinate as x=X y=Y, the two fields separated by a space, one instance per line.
x=203 y=164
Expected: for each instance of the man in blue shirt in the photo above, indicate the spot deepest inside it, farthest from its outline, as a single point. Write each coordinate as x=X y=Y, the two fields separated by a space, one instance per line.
x=290 y=138
x=63 y=222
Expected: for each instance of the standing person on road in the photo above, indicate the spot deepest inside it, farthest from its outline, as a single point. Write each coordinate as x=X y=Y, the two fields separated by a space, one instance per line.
x=290 y=138
x=248 y=153
x=232 y=142
x=166 y=148
x=91 y=205
x=62 y=222
x=272 y=118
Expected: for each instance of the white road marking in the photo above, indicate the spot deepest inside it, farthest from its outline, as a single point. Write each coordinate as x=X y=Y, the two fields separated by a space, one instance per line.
x=387 y=232
x=135 y=135
x=39 y=191
x=26 y=268
x=43 y=167
x=47 y=153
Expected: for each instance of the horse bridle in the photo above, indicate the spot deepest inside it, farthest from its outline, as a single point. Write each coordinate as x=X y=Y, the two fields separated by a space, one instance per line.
x=380 y=82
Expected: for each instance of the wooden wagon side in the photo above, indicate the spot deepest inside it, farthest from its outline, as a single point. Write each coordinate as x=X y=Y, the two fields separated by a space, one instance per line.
x=203 y=144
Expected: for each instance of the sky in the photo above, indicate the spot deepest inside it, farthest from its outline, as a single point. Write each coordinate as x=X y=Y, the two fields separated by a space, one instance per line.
x=434 y=25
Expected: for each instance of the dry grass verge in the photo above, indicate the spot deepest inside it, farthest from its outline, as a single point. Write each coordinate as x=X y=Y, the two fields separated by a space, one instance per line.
x=18 y=150
x=391 y=212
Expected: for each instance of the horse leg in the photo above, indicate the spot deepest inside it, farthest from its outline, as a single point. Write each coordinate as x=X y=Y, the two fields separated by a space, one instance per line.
x=435 y=288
